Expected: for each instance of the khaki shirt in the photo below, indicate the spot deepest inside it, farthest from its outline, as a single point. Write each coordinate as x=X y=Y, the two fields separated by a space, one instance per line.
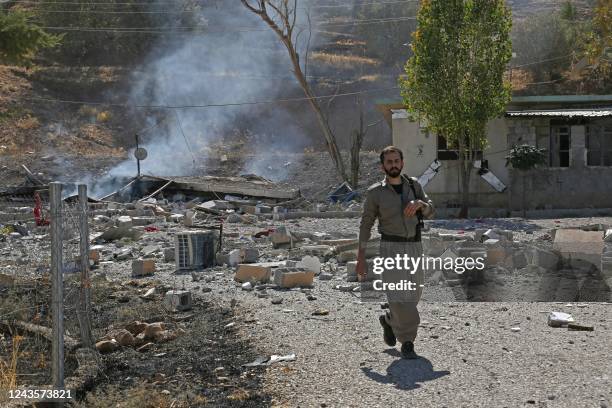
x=383 y=203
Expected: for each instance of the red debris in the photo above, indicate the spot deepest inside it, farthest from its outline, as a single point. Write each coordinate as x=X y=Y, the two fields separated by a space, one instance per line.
x=151 y=229
x=38 y=212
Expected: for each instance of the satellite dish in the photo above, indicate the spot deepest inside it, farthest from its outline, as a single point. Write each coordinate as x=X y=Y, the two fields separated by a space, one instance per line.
x=140 y=153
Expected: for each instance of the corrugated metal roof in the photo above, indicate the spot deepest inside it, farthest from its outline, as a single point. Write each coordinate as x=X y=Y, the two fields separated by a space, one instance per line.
x=567 y=113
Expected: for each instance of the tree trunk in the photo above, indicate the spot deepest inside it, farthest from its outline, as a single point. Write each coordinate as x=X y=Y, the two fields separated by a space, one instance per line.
x=357 y=142
x=465 y=171
x=286 y=17
x=330 y=138
x=355 y=149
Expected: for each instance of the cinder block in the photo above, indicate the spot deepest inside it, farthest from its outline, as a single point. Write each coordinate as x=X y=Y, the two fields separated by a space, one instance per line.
x=293 y=277
x=143 y=267
x=178 y=300
x=577 y=244
x=257 y=272
x=281 y=236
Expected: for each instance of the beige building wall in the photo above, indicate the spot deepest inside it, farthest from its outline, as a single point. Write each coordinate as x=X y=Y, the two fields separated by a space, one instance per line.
x=420 y=150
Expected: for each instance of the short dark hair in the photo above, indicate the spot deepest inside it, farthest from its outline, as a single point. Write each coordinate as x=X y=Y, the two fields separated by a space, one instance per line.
x=390 y=149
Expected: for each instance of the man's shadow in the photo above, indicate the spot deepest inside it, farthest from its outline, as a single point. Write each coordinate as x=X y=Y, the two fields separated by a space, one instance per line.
x=405 y=374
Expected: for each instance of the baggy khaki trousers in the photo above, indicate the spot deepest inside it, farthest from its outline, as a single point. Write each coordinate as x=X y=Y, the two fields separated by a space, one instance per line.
x=404 y=315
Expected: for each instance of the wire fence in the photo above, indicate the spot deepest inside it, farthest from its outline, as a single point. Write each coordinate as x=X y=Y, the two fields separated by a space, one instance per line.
x=45 y=287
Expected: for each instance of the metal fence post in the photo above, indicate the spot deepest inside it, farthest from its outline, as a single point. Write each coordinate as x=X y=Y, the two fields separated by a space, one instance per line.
x=57 y=285
x=84 y=307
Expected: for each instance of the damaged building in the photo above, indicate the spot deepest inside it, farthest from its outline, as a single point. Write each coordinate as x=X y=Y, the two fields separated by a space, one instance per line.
x=575 y=131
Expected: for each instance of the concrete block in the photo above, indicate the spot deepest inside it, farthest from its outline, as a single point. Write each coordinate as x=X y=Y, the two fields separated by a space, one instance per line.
x=280 y=237
x=293 y=277
x=169 y=254
x=257 y=272
x=124 y=221
x=577 y=244
x=317 y=250
x=249 y=255
x=178 y=300
x=143 y=267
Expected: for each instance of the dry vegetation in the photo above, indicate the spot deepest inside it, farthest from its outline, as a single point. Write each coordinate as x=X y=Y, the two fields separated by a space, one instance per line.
x=343 y=61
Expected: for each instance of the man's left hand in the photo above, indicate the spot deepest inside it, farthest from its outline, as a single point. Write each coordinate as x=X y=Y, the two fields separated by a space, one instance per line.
x=413 y=207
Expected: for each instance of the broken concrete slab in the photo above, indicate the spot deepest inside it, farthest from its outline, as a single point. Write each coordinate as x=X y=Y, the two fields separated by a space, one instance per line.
x=178 y=300
x=579 y=245
x=243 y=186
x=116 y=233
x=293 y=277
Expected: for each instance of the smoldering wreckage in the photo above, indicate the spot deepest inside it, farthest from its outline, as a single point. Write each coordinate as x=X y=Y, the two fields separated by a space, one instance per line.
x=244 y=233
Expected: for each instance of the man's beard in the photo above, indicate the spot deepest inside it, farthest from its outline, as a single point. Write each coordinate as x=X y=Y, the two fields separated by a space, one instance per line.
x=393 y=172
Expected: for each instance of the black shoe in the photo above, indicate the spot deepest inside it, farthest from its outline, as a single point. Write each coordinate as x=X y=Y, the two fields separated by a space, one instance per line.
x=408 y=351
x=388 y=335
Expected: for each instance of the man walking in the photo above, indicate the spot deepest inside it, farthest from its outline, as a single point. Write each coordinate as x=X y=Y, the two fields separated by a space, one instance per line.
x=399 y=203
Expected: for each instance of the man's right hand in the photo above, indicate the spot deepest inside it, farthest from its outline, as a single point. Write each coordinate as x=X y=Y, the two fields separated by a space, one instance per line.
x=362 y=266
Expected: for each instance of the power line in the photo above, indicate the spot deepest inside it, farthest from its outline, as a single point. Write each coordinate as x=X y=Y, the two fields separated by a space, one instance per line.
x=541 y=61
x=196 y=29
x=212 y=105
x=156 y=3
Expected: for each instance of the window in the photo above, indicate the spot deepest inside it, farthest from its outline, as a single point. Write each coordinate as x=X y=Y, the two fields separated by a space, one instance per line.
x=446 y=152
x=598 y=143
x=560 y=145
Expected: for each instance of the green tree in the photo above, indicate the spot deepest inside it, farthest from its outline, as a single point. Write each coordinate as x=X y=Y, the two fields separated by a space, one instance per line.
x=454 y=80
x=20 y=38
x=599 y=39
